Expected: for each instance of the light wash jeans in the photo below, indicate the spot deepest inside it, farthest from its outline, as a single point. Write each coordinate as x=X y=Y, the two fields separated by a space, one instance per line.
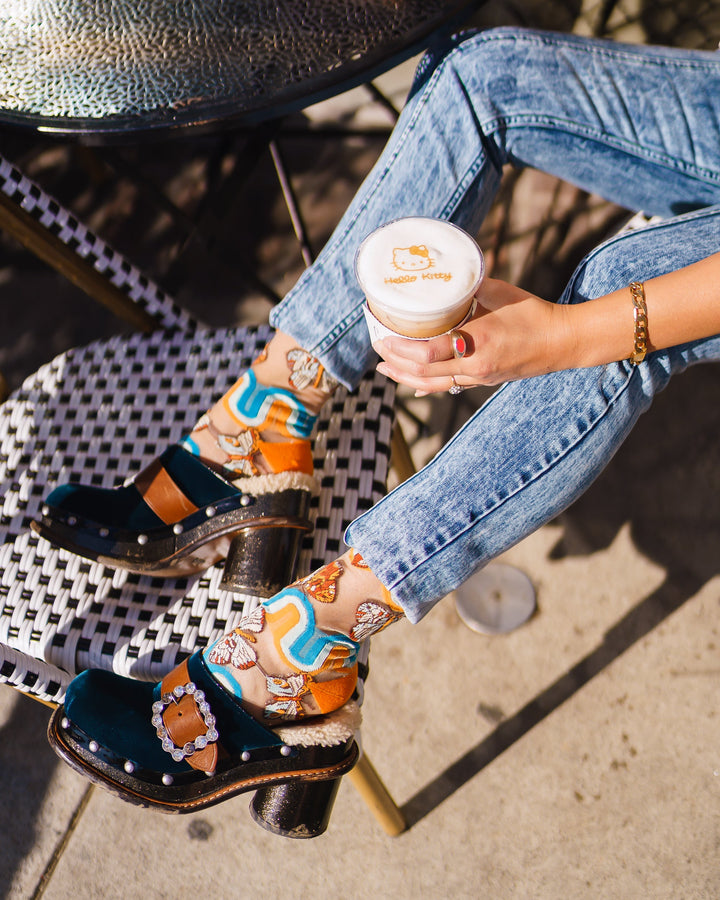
x=638 y=125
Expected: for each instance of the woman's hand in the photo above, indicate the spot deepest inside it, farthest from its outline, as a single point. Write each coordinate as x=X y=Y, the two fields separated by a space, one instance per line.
x=513 y=335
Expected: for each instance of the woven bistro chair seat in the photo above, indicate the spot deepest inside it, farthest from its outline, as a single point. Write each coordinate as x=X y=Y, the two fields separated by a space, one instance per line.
x=100 y=413
x=96 y=415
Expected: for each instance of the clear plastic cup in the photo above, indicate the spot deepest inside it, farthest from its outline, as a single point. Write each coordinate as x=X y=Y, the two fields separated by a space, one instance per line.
x=420 y=277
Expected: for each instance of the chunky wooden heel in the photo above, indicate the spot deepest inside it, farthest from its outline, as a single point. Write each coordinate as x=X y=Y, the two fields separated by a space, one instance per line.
x=297 y=809
x=262 y=560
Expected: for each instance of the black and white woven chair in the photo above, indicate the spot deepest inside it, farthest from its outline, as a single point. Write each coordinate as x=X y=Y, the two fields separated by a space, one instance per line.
x=93 y=413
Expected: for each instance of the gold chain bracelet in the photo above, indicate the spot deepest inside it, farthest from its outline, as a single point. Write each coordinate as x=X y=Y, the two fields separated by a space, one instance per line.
x=641 y=323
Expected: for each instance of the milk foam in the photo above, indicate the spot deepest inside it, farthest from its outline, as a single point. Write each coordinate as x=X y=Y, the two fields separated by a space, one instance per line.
x=418 y=268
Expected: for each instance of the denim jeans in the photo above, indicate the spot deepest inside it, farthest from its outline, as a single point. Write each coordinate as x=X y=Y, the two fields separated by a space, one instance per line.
x=638 y=125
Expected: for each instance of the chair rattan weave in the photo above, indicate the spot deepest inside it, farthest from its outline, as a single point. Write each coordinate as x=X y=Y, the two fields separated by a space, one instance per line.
x=95 y=414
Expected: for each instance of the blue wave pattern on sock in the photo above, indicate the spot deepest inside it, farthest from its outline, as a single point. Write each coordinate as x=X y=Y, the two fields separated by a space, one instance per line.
x=222 y=673
x=187 y=443
x=253 y=402
x=305 y=646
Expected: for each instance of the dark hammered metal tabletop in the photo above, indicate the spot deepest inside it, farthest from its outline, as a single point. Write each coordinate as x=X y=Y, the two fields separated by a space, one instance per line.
x=104 y=66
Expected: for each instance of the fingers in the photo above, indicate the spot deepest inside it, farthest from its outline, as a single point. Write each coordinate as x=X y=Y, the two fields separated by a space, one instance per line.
x=428 y=366
x=455 y=344
x=432 y=381
x=415 y=352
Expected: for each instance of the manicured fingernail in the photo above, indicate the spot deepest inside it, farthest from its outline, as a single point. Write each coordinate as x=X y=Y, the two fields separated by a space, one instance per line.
x=421 y=393
x=382 y=369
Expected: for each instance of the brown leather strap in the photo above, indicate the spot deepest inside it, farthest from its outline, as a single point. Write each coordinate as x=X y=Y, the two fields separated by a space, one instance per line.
x=184 y=722
x=162 y=495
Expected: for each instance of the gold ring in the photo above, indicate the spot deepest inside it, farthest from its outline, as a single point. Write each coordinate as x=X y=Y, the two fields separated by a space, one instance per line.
x=459 y=344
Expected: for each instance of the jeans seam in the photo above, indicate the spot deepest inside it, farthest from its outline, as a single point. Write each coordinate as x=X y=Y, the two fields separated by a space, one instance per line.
x=613 y=52
x=338 y=331
x=610 y=49
x=556 y=123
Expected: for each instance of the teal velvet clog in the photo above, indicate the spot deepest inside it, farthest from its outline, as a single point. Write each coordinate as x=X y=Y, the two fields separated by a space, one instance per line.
x=153 y=745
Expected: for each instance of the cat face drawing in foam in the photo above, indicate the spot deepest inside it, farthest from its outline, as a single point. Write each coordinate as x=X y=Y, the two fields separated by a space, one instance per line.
x=419 y=275
x=412 y=259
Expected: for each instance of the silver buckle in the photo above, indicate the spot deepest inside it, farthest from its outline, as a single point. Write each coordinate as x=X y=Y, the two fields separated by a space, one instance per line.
x=202 y=740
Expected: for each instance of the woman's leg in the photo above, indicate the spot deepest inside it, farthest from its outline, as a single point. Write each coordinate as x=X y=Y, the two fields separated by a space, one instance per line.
x=638 y=125
x=528 y=453
x=262 y=425
x=296 y=654
x=536 y=445
x=532 y=449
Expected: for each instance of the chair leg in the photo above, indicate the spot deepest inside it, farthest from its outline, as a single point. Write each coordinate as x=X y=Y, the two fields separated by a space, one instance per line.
x=366 y=780
x=46 y=246
x=370 y=787
x=400 y=457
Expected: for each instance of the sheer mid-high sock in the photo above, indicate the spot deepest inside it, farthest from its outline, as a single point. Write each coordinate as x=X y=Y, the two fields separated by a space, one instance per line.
x=263 y=423
x=296 y=654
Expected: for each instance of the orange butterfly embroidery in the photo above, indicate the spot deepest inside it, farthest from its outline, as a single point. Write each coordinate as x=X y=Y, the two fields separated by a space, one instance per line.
x=288 y=692
x=263 y=355
x=322 y=585
x=306 y=371
x=240 y=450
x=357 y=561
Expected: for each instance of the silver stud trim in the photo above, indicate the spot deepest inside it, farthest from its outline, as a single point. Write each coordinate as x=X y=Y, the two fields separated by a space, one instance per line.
x=94 y=746
x=104 y=532
x=285 y=750
x=129 y=766
x=245 y=500
x=45 y=510
x=142 y=539
x=65 y=722
x=167 y=780
x=178 y=529
x=72 y=521
x=245 y=756
x=210 y=511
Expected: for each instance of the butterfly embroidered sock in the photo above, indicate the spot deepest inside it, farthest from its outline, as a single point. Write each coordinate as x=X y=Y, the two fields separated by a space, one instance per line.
x=262 y=425
x=296 y=654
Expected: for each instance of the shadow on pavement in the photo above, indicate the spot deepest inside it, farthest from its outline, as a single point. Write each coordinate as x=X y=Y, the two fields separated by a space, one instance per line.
x=663 y=482
x=27 y=767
